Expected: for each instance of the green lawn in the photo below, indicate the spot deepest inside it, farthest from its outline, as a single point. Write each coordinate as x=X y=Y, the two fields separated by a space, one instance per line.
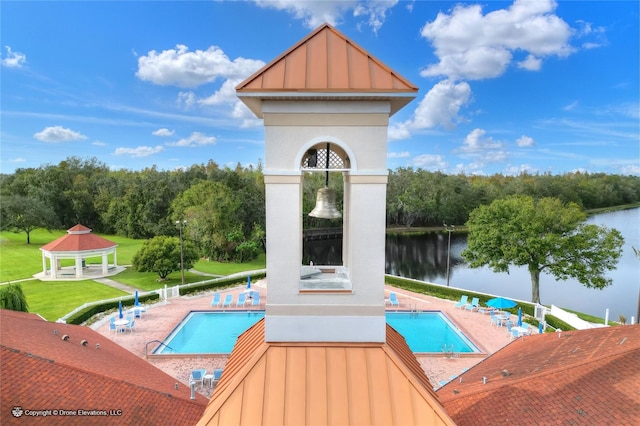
x=19 y=260
x=53 y=300
x=219 y=268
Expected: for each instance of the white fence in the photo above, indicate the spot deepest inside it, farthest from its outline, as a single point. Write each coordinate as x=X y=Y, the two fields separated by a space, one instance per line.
x=165 y=293
x=572 y=319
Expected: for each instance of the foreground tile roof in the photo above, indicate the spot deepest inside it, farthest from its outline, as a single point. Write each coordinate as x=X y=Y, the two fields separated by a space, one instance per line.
x=323 y=383
x=41 y=370
x=78 y=238
x=574 y=377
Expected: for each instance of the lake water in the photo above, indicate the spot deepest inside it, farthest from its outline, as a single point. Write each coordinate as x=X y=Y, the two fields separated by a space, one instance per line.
x=424 y=258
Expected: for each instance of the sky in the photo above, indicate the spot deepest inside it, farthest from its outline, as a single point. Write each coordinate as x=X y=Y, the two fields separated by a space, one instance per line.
x=504 y=87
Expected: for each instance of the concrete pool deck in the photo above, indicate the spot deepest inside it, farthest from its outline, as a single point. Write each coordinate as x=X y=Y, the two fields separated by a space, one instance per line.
x=160 y=319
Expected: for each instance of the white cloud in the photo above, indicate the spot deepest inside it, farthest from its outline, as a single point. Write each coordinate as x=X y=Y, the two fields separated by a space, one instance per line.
x=312 y=13
x=476 y=141
x=518 y=170
x=375 y=11
x=163 y=132
x=631 y=169
x=531 y=63
x=13 y=59
x=183 y=68
x=571 y=106
x=226 y=94
x=195 y=139
x=58 y=134
x=186 y=99
x=439 y=107
x=525 y=141
x=18 y=160
x=430 y=162
x=98 y=143
x=141 y=151
x=474 y=46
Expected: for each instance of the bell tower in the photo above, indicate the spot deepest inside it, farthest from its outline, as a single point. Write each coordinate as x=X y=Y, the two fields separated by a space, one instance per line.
x=326 y=104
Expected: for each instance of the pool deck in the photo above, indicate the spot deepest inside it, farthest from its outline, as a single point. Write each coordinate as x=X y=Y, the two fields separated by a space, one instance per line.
x=160 y=319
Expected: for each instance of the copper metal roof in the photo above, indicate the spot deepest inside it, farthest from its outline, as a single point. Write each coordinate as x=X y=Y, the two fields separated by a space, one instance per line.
x=326 y=64
x=574 y=377
x=320 y=383
x=78 y=238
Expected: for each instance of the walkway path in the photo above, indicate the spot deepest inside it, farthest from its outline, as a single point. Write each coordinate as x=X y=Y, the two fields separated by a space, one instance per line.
x=116 y=284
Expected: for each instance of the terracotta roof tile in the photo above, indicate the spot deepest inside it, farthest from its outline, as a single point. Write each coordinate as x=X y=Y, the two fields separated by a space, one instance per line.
x=574 y=377
x=78 y=238
x=321 y=383
x=40 y=370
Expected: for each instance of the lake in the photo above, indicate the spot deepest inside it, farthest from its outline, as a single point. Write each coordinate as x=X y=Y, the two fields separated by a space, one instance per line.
x=424 y=258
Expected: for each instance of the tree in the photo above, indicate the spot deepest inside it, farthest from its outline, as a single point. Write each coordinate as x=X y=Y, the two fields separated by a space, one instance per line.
x=12 y=298
x=22 y=213
x=544 y=235
x=162 y=255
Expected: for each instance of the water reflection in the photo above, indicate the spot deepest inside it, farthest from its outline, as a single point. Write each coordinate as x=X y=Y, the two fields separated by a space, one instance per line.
x=424 y=257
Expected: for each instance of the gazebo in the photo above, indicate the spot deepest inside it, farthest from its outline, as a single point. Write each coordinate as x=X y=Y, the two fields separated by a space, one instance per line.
x=78 y=244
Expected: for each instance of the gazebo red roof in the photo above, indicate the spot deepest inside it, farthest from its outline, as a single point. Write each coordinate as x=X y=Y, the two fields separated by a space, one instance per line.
x=78 y=238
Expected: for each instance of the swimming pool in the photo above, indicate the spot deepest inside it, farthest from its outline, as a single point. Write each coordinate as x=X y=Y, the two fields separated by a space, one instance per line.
x=216 y=332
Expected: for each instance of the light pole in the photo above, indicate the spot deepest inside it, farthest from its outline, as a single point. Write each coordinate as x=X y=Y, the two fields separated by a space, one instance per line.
x=181 y=224
x=449 y=229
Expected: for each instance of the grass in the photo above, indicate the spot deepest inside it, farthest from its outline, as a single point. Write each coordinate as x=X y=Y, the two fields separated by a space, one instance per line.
x=219 y=268
x=19 y=260
x=54 y=299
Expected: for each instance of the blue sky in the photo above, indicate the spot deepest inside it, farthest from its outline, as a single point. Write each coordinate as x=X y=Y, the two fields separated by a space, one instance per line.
x=505 y=87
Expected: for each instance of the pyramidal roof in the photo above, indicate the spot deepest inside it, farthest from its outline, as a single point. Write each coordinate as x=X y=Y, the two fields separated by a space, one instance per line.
x=78 y=238
x=326 y=62
x=306 y=383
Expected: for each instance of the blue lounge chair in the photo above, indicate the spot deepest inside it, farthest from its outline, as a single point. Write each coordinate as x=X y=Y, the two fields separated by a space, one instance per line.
x=393 y=299
x=241 y=299
x=217 y=373
x=216 y=299
x=473 y=305
x=228 y=299
x=494 y=319
x=255 y=300
x=464 y=299
x=514 y=334
x=197 y=376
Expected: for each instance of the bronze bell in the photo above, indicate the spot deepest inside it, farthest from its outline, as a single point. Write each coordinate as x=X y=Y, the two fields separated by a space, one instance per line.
x=325 y=205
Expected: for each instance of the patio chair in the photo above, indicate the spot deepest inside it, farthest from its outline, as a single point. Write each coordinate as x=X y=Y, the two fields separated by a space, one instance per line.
x=112 y=325
x=473 y=305
x=217 y=373
x=255 y=300
x=494 y=319
x=228 y=299
x=197 y=376
x=464 y=299
x=216 y=299
x=241 y=299
x=137 y=312
x=393 y=299
x=130 y=325
x=514 y=334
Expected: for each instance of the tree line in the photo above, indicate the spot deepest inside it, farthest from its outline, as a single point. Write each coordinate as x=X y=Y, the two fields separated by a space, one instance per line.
x=225 y=207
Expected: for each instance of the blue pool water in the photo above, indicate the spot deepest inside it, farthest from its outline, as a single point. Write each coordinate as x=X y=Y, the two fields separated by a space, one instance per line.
x=216 y=332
